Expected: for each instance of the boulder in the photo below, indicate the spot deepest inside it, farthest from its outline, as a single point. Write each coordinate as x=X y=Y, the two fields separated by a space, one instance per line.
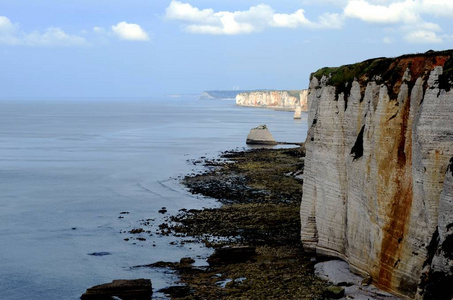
x=260 y=136
x=135 y=289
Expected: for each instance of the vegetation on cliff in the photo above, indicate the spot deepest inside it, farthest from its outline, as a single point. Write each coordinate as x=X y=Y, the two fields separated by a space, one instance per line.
x=389 y=71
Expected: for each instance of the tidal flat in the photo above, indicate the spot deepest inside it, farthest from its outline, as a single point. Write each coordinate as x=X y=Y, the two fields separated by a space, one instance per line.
x=260 y=191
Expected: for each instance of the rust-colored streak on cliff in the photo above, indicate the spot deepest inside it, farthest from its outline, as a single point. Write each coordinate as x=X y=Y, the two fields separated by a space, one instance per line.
x=397 y=173
x=400 y=198
x=379 y=210
x=418 y=66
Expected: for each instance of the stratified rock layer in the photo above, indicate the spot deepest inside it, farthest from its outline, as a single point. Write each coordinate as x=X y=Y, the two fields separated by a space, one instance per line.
x=377 y=190
x=287 y=100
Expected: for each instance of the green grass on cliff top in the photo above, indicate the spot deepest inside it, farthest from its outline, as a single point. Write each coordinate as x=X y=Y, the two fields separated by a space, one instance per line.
x=376 y=66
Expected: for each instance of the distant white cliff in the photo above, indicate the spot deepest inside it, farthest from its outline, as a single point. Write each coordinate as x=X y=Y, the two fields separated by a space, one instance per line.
x=285 y=100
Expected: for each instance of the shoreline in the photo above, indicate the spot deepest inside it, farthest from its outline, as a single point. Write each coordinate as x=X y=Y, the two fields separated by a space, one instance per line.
x=260 y=192
x=254 y=235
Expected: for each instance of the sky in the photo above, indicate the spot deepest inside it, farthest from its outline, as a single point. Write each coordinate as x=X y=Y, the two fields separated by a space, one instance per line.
x=143 y=48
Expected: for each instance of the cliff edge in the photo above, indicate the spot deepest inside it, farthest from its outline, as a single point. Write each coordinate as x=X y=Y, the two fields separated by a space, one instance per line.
x=378 y=179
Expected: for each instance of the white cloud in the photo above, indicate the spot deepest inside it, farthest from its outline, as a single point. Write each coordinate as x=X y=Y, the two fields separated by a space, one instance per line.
x=99 y=30
x=423 y=37
x=10 y=34
x=437 y=7
x=330 y=20
x=53 y=37
x=6 y=25
x=186 y=12
x=387 y=40
x=256 y=18
x=293 y=20
x=8 y=31
x=394 y=13
x=407 y=16
x=130 y=32
x=339 y=3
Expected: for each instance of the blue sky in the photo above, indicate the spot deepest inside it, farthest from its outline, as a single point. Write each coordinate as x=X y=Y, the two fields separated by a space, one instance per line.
x=140 y=48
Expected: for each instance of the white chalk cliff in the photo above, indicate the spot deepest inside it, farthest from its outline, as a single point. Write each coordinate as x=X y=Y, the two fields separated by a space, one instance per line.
x=378 y=179
x=288 y=100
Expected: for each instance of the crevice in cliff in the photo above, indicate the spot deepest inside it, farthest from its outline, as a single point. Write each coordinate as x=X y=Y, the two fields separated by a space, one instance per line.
x=432 y=248
x=446 y=79
x=435 y=285
x=450 y=166
x=402 y=144
x=357 y=149
x=447 y=247
x=439 y=287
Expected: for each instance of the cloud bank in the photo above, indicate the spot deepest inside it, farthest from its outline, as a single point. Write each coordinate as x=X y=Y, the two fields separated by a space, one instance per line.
x=408 y=17
x=12 y=35
x=255 y=19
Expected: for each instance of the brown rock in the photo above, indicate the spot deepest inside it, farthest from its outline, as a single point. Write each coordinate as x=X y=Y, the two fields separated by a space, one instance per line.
x=135 y=289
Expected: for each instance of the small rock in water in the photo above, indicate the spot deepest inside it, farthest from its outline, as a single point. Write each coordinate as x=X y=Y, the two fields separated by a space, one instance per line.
x=100 y=253
x=162 y=210
x=186 y=261
x=260 y=136
x=136 y=289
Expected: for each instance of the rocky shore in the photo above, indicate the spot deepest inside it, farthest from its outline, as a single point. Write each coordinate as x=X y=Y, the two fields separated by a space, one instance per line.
x=255 y=233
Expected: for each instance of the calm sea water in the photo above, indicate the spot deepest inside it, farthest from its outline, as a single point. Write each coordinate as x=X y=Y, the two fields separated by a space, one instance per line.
x=69 y=168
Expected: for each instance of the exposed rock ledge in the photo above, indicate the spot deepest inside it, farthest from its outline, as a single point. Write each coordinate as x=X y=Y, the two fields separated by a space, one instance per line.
x=378 y=179
x=286 y=100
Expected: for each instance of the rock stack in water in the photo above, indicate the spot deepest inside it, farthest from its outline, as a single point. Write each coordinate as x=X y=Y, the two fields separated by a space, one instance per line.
x=298 y=113
x=260 y=136
x=378 y=184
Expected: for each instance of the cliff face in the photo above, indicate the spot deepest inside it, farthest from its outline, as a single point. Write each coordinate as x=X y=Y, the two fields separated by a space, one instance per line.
x=378 y=179
x=288 y=100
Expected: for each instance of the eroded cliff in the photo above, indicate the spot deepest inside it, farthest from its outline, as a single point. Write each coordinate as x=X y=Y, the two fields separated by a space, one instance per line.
x=288 y=100
x=378 y=187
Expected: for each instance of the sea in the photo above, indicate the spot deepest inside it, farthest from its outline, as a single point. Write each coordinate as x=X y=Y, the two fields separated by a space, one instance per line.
x=76 y=175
